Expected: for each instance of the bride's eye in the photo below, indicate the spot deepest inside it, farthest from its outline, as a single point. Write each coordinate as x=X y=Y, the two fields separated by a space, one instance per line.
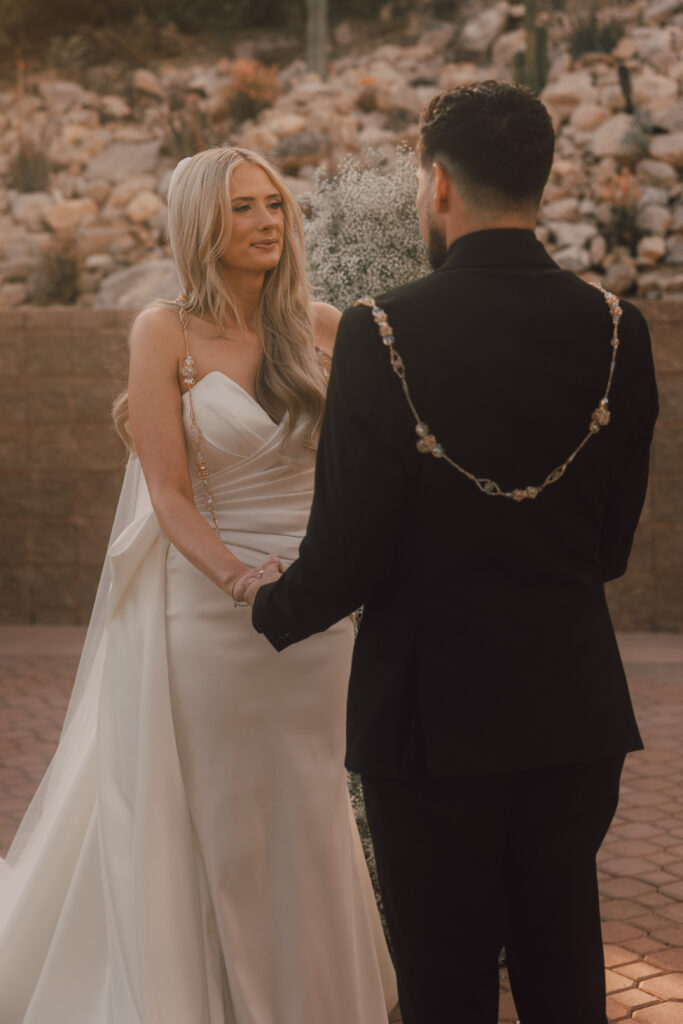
x=241 y=209
x=277 y=204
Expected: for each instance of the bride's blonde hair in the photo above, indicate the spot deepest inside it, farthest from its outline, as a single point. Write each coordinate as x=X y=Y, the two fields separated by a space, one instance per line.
x=199 y=227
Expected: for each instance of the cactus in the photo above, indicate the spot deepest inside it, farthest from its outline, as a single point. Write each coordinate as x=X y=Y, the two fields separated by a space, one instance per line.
x=531 y=65
x=316 y=35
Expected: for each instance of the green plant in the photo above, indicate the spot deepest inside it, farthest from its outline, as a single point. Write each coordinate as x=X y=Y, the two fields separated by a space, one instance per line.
x=189 y=130
x=622 y=192
x=638 y=135
x=531 y=65
x=29 y=169
x=358 y=804
x=253 y=87
x=56 y=281
x=361 y=229
x=590 y=35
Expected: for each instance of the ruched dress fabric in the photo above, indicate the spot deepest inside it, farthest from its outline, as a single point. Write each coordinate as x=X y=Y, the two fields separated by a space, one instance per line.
x=194 y=858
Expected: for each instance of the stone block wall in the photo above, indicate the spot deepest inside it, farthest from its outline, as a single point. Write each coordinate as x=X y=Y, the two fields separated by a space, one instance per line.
x=61 y=463
x=61 y=466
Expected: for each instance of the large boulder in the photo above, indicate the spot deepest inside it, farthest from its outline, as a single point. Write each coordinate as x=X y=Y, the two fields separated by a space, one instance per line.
x=657 y=46
x=657 y=173
x=136 y=286
x=668 y=148
x=480 y=33
x=28 y=208
x=143 y=206
x=146 y=82
x=660 y=11
x=76 y=144
x=507 y=46
x=571 y=234
x=574 y=258
x=651 y=91
x=299 y=150
x=654 y=220
x=60 y=95
x=588 y=116
x=65 y=217
x=567 y=92
x=122 y=160
x=671 y=119
x=114 y=108
x=621 y=276
x=121 y=194
x=617 y=137
x=104 y=240
x=561 y=209
x=674 y=251
x=651 y=249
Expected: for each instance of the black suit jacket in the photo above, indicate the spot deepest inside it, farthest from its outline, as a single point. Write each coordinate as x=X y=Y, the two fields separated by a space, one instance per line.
x=486 y=644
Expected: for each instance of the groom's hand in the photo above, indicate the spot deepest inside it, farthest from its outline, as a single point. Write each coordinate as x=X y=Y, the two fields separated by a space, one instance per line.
x=272 y=569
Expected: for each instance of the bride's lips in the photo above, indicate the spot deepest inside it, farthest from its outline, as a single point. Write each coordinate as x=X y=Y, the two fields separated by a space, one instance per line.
x=265 y=245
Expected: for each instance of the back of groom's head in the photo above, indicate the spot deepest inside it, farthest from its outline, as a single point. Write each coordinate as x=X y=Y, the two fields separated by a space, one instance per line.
x=495 y=140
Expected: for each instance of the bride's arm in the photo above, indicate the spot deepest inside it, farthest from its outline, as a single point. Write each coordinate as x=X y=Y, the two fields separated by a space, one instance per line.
x=325 y=323
x=156 y=346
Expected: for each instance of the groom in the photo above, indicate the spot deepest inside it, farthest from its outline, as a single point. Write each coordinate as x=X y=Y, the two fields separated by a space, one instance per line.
x=488 y=710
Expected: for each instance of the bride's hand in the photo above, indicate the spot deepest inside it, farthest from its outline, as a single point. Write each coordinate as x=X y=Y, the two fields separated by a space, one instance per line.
x=246 y=586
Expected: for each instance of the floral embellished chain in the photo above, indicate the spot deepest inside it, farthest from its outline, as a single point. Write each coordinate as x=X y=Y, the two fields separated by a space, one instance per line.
x=324 y=361
x=188 y=372
x=427 y=442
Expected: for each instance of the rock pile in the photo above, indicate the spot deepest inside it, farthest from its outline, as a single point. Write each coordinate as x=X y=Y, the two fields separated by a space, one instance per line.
x=97 y=162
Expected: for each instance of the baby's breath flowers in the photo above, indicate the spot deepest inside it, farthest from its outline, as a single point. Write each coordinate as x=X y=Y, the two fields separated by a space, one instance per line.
x=361 y=229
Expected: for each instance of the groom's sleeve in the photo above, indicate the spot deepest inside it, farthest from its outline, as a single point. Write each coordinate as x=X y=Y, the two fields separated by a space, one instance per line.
x=628 y=488
x=365 y=461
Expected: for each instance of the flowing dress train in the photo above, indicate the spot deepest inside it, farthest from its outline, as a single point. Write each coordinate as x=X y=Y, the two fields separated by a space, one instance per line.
x=191 y=856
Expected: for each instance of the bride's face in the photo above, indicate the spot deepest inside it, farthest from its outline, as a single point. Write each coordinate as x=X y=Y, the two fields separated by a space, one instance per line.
x=258 y=224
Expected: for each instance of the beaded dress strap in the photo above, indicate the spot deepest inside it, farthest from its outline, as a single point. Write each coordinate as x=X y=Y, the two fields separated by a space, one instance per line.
x=427 y=443
x=324 y=360
x=188 y=373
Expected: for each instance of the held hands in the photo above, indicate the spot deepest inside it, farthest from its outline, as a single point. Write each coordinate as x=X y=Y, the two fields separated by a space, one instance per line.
x=246 y=586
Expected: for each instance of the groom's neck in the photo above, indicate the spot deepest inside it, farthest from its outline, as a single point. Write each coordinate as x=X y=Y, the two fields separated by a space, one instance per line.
x=488 y=220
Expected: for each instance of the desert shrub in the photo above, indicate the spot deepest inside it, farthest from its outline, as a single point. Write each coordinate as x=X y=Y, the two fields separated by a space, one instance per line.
x=29 y=168
x=253 y=87
x=56 y=281
x=622 y=192
x=361 y=228
x=190 y=130
x=589 y=35
x=639 y=134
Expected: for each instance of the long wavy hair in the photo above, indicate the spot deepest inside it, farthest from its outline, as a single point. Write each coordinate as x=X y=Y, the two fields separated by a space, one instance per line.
x=199 y=228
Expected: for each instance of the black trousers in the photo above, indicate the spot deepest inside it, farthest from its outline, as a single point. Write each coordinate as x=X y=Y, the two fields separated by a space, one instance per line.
x=467 y=865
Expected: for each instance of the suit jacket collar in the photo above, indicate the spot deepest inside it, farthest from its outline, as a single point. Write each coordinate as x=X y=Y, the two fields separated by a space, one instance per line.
x=498 y=247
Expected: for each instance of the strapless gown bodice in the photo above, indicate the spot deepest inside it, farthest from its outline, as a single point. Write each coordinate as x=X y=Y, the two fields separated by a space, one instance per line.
x=196 y=858
x=261 y=479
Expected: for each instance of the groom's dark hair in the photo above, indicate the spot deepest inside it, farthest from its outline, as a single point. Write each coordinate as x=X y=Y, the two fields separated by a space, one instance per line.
x=496 y=140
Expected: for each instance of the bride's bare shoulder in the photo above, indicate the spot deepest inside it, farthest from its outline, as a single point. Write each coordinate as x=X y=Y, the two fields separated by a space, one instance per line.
x=325 y=323
x=157 y=333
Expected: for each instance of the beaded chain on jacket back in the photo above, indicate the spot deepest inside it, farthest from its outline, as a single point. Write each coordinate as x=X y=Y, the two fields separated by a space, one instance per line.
x=428 y=444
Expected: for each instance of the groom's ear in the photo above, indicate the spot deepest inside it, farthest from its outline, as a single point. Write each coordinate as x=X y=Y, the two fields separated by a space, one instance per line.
x=442 y=187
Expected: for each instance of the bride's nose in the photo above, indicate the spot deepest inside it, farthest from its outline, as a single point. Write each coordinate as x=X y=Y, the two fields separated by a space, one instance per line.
x=268 y=219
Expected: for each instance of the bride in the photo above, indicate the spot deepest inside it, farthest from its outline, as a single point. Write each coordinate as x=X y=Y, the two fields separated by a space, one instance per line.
x=190 y=856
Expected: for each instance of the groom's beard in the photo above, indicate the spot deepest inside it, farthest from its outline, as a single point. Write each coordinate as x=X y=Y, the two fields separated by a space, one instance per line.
x=437 y=250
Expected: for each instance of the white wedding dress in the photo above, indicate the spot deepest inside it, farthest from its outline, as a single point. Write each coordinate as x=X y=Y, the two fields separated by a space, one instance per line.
x=191 y=856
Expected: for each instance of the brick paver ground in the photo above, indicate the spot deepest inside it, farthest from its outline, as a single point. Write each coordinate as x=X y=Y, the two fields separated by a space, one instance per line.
x=641 y=861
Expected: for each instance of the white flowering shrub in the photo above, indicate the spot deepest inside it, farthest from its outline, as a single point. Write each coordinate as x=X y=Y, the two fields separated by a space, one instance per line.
x=362 y=238
x=361 y=229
